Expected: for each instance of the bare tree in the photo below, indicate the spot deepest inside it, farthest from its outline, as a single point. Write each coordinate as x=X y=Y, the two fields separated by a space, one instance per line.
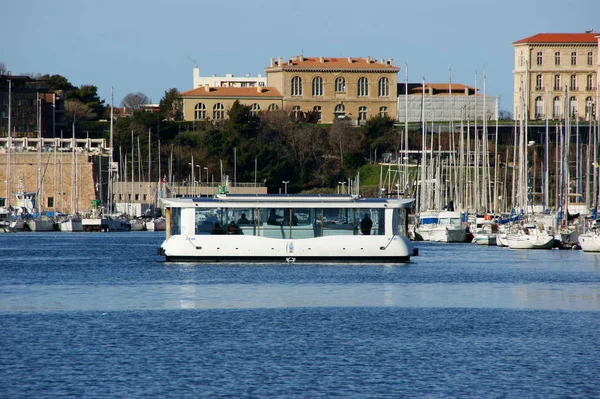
x=76 y=111
x=135 y=100
x=344 y=138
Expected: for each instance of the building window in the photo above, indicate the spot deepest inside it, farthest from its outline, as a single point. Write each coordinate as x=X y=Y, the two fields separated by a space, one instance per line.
x=363 y=87
x=539 y=107
x=296 y=86
x=273 y=107
x=383 y=112
x=218 y=111
x=538 y=82
x=383 y=88
x=261 y=84
x=574 y=58
x=589 y=58
x=340 y=85
x=556 y=107
x=362 y=114
x=254 y=109
x=588 y=82
x=573 y=82
x=539 y=58
x=589 y=108
x=573 y=107
x=340 y=111
x=556 y=82
x=296 y=112
x=50 y=202
x=200 y=111
x=317 y=86
x=557 y=58
x=317 y=110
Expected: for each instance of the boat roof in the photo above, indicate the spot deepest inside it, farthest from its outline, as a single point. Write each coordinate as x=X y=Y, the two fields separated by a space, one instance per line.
x=287 y=201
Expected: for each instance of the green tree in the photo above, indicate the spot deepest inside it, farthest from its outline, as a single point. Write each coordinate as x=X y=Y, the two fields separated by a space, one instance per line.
x=169 y=105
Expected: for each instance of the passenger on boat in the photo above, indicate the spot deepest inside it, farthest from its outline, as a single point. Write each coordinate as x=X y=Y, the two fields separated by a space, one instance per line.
x=233 y=228
x=273 y=218
x=243 y=219
x=217 y=229
x=286 y=220
x=365 y=225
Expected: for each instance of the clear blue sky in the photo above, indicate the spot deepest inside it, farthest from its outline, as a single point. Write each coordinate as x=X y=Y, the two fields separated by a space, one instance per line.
x=151 y=46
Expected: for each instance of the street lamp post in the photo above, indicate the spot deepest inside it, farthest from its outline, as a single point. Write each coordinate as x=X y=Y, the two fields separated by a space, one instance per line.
x=193 y=179
x=341 y=183
x=199 y=178
x=206 y=169
x=285 y=183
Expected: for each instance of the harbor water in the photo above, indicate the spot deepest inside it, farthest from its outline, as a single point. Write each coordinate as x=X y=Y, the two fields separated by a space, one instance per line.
x=100 y=315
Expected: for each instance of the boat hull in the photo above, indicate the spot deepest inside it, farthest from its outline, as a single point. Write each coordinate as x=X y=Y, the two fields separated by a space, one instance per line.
x=70 y=226
x=590 y=242
x=40 y=225
x=484 y=239
x=522 y=241
x=355 y=249
x=445 y=234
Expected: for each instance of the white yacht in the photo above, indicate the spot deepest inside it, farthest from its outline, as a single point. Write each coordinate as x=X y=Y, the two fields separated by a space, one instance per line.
x=449 y=228
x=287 y=228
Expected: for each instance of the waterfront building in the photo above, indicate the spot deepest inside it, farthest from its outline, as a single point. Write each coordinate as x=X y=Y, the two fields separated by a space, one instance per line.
x=353 y=89
x=556 y=73
x=213 y=103
x=443 y=102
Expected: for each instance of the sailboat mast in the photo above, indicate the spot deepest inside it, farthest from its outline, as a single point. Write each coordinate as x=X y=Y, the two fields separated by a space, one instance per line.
x=110 y=152
x=9 y=145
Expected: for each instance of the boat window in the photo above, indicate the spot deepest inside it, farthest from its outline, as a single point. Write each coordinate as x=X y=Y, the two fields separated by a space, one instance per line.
x=175 y=221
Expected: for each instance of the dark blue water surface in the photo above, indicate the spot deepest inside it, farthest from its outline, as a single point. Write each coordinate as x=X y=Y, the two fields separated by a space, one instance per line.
x=101 y=316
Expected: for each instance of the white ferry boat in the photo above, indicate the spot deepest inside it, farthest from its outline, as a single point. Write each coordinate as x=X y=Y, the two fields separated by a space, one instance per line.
x=287 y=228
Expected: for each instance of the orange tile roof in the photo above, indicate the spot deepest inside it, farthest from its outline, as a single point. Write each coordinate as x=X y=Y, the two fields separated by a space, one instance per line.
x=587 y=37
x=300 y=62
x=232 y=92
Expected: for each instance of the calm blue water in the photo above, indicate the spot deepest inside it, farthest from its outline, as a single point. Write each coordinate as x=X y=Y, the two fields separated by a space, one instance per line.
x=99 y=315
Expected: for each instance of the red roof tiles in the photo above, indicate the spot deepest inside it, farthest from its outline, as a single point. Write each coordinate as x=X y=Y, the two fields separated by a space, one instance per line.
x=588 y=37
x=301 y=62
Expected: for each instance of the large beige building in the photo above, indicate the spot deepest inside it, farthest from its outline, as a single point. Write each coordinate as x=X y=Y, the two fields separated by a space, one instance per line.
x=330 y=88
x=557 y=73
x=350 y=88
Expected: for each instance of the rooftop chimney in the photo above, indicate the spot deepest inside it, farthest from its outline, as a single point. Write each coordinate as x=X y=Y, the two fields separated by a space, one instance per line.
x=272 y=64
x=368 y=60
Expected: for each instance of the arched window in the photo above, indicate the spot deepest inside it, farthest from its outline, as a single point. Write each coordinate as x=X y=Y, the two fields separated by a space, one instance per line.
x=296 y=112
x=200 y=111
x=556 y=107
x=362 y=114
x=538 y=82
x=340 y=111
x=383 y=112
x=296 y=86
x=317 y=109
x=363 y=87
x=254 y=109
x=383 y=88
x=317 y=86
x=273 y=107
x=573 y=107
x=340 y=85
x=218 y=111
x=539 y=107
x=589 y=108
